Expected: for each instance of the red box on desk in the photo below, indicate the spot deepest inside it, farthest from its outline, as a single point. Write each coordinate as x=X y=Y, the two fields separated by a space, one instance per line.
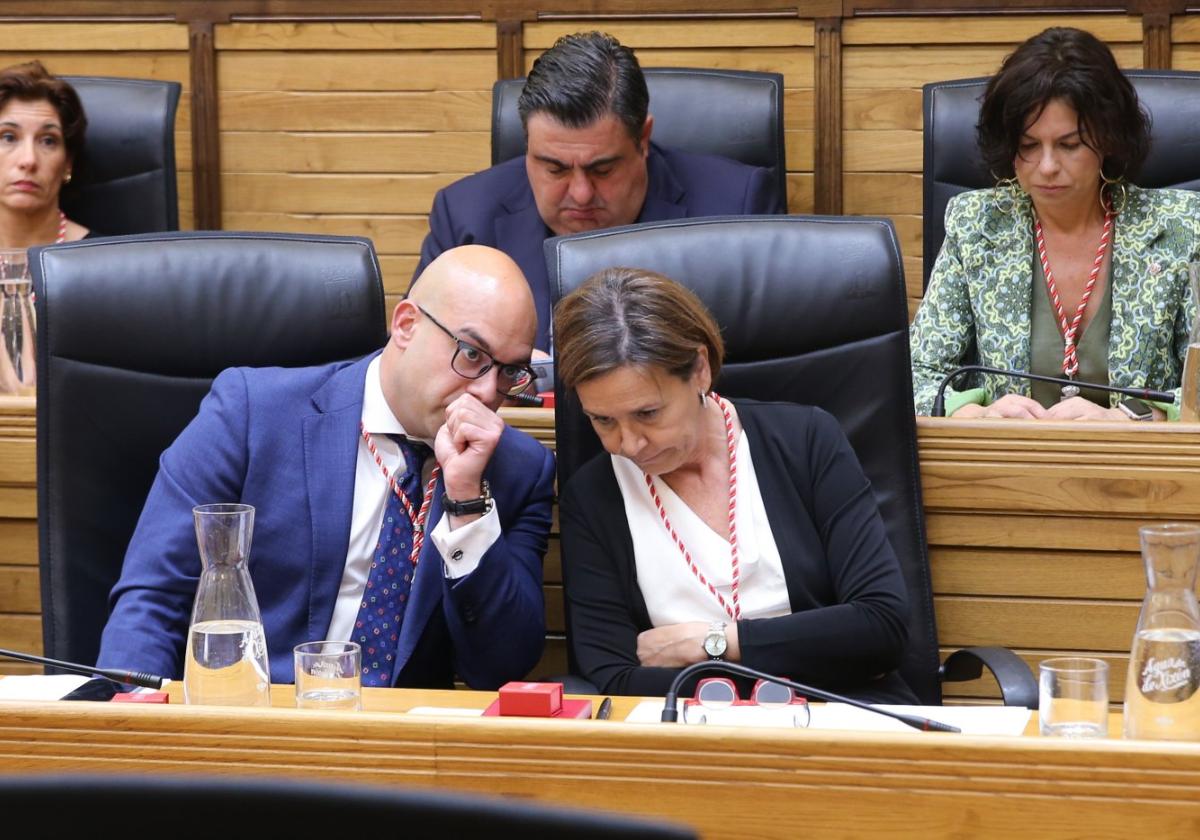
x=531 y=699
x=526 y=699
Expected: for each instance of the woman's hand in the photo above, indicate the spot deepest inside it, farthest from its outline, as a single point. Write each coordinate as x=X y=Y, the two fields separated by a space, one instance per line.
x=679 y=645
x=1010 y=405
x=1077 y=408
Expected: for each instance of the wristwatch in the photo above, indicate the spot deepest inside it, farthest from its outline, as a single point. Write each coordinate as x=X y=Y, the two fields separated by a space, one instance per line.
x=1135 y=409
x=483 y=504
x=715 y=642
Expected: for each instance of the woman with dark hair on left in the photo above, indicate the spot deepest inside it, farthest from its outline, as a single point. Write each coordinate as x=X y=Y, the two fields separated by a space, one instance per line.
x=42 y=126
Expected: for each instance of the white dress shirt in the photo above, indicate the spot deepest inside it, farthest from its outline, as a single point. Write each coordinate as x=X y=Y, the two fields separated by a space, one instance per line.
x=461 y=549
x=673 y=594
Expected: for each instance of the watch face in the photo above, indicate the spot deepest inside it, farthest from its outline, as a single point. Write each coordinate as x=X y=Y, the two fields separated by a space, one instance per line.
x=714 y=643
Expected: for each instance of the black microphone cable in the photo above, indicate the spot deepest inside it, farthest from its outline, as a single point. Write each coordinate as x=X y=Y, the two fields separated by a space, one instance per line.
x=670 y=714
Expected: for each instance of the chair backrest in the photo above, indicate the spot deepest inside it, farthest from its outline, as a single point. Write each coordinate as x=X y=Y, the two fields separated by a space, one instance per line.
x=813 y=311
x=132 y=331
x=683 y=102
x=126 y=180
x=285 y=807
x=953 y=163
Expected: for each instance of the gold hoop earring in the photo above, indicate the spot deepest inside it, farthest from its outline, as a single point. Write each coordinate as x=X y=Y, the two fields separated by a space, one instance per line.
x=1011 y=193
x=1109 y=202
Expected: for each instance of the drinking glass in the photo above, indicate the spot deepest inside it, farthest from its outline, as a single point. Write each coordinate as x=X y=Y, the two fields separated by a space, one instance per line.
x=1073 y=697
x=18 y=373
x=328 y=675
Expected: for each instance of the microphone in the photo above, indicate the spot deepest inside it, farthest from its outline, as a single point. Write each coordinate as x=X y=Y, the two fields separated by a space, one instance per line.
x=670 y=714
x=115 y=674
x=531 y=400
x=939 y=402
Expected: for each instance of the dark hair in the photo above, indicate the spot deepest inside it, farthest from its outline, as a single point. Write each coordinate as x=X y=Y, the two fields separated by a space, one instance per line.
x=1075 y=66
x=631 y=316
x=31 y=82
x=582 y=78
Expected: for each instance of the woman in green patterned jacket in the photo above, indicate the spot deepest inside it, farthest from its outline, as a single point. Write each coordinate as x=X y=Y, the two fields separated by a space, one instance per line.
x=1065 y=268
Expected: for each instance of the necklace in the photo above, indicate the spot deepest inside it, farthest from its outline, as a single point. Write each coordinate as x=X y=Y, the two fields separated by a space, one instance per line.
x=1070 y=332
x=416 y=518
x=734 y=611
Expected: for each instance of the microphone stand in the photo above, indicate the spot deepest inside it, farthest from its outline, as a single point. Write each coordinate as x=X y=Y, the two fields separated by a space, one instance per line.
x=115 y=674
x=939 y=402
x=670 y=714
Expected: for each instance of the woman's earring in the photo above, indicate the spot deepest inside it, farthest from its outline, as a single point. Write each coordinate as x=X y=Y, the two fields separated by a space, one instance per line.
x=1010 y=190
x=67 y=178
x=1110 y=201
x=701 y=393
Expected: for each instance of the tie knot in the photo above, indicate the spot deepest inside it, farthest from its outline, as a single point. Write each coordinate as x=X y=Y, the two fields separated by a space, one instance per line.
x=414 y=451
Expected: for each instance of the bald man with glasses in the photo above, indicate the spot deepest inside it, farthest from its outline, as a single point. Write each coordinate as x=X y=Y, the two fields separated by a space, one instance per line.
x=394 y=507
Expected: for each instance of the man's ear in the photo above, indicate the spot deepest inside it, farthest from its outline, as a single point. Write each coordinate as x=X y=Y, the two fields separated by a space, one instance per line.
x=404 y=322
x=644 y=138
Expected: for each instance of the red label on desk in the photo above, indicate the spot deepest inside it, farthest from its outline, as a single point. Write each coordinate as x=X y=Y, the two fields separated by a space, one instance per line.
x=571 y=708
x=141 y=697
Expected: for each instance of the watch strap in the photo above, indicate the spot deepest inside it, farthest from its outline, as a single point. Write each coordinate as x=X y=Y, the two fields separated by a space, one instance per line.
x=480 y=504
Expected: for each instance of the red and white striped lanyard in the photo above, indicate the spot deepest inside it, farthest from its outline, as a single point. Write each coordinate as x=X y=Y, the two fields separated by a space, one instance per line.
x=735 y=612
x=62 y=228
x=417 y=519
x=1071 y=332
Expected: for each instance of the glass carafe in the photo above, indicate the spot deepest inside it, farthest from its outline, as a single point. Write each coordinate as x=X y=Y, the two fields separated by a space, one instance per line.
x=226 y=658
x=1189 y=403
x=1161 y=698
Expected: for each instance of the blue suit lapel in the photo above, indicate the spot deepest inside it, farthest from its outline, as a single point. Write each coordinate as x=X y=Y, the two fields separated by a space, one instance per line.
x=664 y=193
x=330 y=440
x=520 y=234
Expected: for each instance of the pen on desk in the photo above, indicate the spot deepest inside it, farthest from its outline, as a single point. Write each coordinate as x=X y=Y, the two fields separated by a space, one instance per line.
x=605 y=709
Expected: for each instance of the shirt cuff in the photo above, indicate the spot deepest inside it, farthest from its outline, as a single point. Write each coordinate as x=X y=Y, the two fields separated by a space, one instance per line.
x=464 y=547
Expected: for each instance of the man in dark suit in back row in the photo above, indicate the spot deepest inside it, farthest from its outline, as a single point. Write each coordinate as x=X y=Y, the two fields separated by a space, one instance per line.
x=589 y=164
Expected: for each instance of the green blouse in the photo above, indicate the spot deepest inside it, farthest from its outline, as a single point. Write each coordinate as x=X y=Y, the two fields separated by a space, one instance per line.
x=1046 y=342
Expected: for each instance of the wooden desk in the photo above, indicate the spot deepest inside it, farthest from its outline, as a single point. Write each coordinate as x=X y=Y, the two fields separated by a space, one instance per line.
x=729 y=783
x=1032 y=530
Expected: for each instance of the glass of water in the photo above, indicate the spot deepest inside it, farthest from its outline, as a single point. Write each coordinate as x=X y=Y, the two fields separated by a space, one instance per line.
x=1073 y=697
x=328 y=675
x=18 y=329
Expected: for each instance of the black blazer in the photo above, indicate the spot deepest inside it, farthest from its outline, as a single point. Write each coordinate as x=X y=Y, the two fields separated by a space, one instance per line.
x=848 y=624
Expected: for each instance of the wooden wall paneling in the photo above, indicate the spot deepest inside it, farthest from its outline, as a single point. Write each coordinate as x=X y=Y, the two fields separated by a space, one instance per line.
x=20 y=590
x=351 y=128
x=781 y=44
x=1185 y=42
x=827 y=173
x=510 y=48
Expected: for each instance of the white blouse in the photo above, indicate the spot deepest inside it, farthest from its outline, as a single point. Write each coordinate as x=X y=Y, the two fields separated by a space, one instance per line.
x=673 y=594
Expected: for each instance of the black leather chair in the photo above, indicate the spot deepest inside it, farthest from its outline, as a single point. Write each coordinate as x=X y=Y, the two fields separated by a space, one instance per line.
x=132 y=332
x=201 y=807
x=126 y=180
x=813 y=311
x=683 y=102
x=953 y=163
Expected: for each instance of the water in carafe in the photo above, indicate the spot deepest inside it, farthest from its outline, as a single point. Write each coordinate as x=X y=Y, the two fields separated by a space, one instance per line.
x=1161 y=697
x=226 y=657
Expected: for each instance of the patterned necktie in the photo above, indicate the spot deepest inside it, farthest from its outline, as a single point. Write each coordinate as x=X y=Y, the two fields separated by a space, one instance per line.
x=377 y=628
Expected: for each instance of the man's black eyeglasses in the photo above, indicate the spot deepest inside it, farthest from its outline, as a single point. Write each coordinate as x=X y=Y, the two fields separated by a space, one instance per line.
x=471 y=362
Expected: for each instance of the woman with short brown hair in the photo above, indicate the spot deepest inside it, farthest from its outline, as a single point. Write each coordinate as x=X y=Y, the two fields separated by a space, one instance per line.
x=712 y=528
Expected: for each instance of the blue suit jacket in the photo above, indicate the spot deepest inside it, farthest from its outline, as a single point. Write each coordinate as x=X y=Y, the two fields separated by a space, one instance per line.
x=495 y=207
x=285 y=441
